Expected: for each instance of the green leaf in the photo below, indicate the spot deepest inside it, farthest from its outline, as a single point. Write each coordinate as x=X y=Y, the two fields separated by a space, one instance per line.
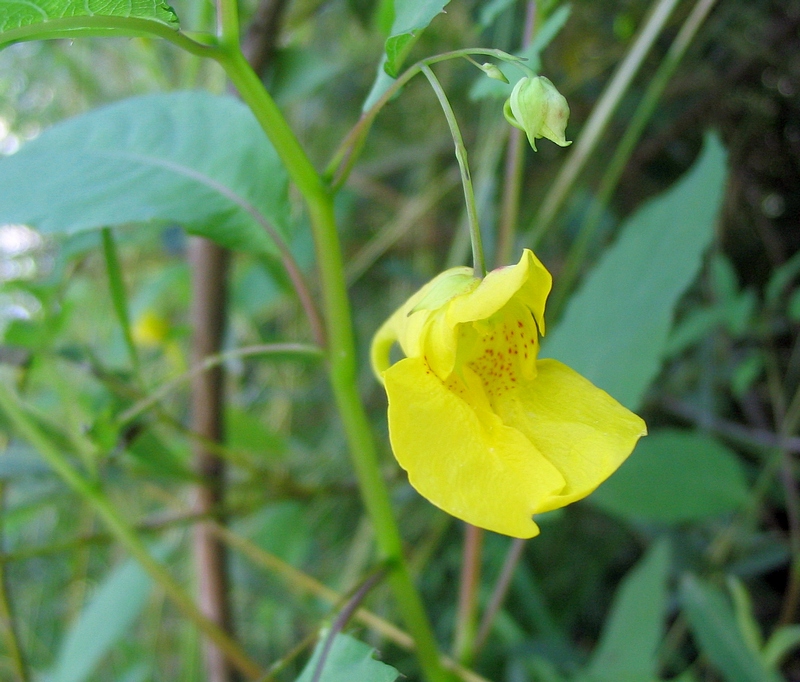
x=633 y=631
x=109 y=614
x=187 y=157
x=347 y=660
x=411 y=17
x=782 y=641
x=724 y=281
x=714 y=626
x=781 y=279
x=675 y=476
x=743 y=610
x=26 y=19
x=793 y=308
x=249 y=433
x=615 y=328
x=281 y=529
x=490 y=10
x=154 y=456
x=696 y=325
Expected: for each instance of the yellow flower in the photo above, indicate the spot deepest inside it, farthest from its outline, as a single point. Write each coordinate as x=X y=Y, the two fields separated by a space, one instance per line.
x=150 y=329
x=485 y=430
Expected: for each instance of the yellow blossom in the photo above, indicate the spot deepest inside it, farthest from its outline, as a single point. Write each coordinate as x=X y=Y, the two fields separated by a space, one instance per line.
x=487 y=431
x=150 y=329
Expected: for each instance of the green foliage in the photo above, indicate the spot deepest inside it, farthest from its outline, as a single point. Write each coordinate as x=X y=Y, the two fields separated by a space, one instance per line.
x=714 y=625
x=615 y=328
x=346 y=659
x=632 y=633
x=186 y=157
x=675 y=476
x=686 y=312
x=411 y=17
x=106 y=618
x=22 y=20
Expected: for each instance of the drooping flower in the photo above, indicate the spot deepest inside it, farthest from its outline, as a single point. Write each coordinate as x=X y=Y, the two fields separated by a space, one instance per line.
x=536 y=107
x=487 y=431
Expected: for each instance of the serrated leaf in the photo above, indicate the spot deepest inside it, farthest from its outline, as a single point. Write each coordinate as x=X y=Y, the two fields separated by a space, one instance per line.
x=633 y=631
x=714 y=626
x=675 y=476
x=191 y=158
x=616 y=326
x=346 y=661
x=19 y=19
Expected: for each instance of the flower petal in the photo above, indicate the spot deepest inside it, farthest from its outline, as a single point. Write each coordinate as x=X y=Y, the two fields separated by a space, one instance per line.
x=580 y=429
x=528 y=281
x=461 y=457
x=405 y=326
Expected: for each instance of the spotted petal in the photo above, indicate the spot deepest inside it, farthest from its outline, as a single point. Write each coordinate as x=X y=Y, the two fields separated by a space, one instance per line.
x=580 y=429
x=460 y=455
x=528 y=281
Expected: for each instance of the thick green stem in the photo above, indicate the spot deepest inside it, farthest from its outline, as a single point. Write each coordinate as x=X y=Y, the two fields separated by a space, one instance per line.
x=228 y=23
x=343 y=374
x=342 y=354
x=122 y=532
x=478 y=261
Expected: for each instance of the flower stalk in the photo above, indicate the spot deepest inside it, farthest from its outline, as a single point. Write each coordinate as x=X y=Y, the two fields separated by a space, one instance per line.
x=341 y=355
x=478 y=260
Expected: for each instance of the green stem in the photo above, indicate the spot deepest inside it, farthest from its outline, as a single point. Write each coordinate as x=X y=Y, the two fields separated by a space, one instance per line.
x=514 y=167
x=119 y=297
x=228 y=23
x=211 y=361
x=122 y=532
x=341 y=353
x=478 y=261
x=8 y=625
x=343 y=375
x=345 y=156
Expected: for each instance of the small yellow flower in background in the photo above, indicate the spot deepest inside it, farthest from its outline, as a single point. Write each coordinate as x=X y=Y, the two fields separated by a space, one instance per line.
x=485 y=430
x=536 y=107
x=150 y=329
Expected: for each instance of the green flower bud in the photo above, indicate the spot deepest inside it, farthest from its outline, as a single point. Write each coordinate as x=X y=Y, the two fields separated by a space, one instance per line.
x=536 y=107
x=493 y=72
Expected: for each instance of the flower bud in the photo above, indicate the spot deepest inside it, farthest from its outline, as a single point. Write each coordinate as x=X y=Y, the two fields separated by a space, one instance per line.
x=536 y=107
x=493 y=72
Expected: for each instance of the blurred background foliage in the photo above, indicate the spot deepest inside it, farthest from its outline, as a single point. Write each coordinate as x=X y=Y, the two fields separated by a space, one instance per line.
x=686 y=565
